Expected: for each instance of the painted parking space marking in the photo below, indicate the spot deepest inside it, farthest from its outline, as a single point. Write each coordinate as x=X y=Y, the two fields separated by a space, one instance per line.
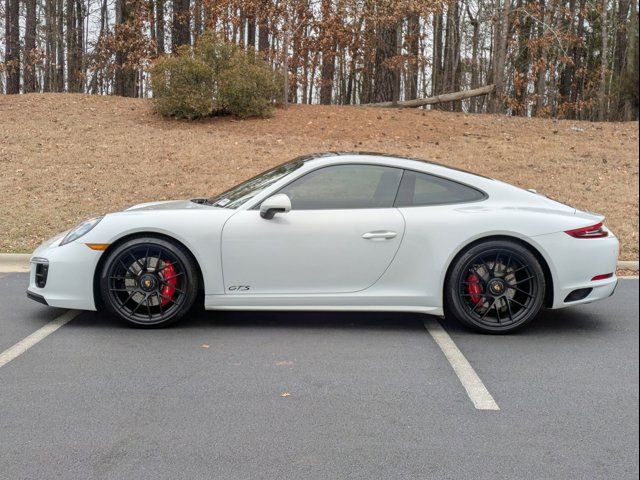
x=470 y=380
x=26 y=343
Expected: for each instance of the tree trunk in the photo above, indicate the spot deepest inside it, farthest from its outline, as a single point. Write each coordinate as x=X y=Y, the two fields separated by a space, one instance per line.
x=631 y=105
x=60 y=47
x=160 y=25
x=353 y=61
x=413 y=47
x=453 y=52
x=181 y=20
x=242 y=28
x=385 y=75
x=79 y=44
x=436 y=76
x=74 y=34
x=285 y=68
x=577 y=83
x=604 y=62
x=97 y=83
x=620 y=54
x=475 y=41
x=49 y=45
x=251 y=31
x=125 y=77
x=500 y=74
x=365 y=93
x=263 y=36
x=12 y=45
x=314 y=66
x=197 y=19
x=522 y=62
x=30 y=47
x=328 y=42
x=542 y=68
x=70 y=42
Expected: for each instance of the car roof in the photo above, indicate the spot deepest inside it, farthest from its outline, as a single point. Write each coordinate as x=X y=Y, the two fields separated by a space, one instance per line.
x=496 y=190
x=400 y=161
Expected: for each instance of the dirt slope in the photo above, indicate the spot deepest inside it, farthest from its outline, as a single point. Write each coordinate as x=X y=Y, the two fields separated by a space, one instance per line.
x=64 y=157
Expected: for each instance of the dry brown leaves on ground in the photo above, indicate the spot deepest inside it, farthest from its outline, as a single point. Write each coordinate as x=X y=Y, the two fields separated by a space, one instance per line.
x=65 y=157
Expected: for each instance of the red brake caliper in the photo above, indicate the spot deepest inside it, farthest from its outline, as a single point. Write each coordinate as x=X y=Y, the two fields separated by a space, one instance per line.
x=473 y=288
x=169 y=288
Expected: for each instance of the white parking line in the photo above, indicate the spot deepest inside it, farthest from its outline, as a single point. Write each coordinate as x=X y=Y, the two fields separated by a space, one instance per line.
x=476 y=390
x=40 y=334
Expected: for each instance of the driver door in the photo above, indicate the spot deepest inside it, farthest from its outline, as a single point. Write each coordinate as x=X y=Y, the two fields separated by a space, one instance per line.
x=341 y=234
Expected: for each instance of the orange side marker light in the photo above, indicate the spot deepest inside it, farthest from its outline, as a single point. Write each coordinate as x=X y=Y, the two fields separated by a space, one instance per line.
x=98 y=246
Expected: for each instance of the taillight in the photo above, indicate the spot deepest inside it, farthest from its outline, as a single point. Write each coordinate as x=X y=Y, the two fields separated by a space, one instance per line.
x=594 y=231
x=602 y=276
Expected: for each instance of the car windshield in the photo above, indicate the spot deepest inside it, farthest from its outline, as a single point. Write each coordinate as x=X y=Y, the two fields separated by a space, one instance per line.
x=242 y=193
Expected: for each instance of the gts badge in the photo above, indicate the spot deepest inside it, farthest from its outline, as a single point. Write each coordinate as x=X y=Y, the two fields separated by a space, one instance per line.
x=239 y=288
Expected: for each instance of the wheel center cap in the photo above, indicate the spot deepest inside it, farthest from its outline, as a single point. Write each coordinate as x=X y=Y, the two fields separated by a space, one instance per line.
x=496 y=287
x=147 y=282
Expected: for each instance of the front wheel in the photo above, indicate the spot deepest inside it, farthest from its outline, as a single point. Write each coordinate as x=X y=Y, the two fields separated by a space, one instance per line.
x=495 y=287
x=149 y=282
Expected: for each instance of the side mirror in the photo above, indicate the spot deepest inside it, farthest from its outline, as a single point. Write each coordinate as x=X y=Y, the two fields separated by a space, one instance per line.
x=279 y=203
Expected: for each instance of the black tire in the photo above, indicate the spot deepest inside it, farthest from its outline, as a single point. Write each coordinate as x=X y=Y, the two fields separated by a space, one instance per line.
x=149 y=282
x=495 y=287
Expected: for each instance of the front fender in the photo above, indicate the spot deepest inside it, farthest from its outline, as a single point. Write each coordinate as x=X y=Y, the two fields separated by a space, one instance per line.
x=199 y=231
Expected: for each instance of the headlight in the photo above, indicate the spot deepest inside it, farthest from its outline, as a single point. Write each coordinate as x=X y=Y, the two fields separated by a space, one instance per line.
x=82 y=229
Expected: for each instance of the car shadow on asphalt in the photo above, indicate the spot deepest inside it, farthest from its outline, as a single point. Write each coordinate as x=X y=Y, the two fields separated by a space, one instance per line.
x=272 y=319
x=548 y=321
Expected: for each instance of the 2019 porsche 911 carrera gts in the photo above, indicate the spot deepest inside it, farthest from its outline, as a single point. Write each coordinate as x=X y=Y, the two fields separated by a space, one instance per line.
x=337 y=231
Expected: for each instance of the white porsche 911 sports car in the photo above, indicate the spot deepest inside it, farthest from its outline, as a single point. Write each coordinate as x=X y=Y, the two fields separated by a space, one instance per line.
x=337 y=231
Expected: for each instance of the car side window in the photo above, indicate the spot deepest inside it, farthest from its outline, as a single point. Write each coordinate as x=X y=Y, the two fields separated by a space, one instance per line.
x=345 y=187
x=421 y=189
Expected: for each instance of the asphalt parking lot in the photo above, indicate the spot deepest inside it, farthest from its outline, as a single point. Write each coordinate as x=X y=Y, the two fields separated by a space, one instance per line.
x=322 y=395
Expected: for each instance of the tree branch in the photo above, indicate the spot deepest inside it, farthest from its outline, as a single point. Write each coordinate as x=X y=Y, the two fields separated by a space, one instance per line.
x=445 y=97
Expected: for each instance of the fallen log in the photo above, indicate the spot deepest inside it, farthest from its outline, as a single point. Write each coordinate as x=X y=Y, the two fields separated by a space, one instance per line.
x=445 y=97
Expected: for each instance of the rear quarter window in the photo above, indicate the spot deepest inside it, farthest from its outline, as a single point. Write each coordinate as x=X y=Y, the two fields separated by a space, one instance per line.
x=422 y=189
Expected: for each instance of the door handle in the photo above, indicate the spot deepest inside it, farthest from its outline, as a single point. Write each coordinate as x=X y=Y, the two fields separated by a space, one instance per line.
x=383 y=234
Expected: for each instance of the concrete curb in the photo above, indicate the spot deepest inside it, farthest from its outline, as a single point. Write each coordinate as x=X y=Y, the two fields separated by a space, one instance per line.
x=19 y=262
x=628 y=265
x=14 y=262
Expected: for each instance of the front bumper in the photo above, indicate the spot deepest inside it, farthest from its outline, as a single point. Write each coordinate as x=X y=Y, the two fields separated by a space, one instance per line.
x=69 y=282
x=36 y=297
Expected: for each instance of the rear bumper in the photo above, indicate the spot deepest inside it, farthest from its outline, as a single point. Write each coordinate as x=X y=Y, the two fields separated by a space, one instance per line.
x=574 y=262
x=598 y=291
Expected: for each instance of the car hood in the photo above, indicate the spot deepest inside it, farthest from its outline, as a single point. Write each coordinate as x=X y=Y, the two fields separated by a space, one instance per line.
x=170 y=205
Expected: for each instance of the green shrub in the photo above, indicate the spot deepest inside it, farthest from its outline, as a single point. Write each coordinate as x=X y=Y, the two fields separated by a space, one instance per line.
x=215 y=77
x=182 y=87
x=247 y=88
x=216 y=53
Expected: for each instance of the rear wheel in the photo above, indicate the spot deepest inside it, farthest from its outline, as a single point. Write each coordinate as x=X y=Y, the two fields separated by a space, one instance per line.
x=495 y=287
x=149 y=282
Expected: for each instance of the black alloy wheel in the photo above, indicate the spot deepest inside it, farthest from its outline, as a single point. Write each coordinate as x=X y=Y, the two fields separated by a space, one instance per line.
x=496 y=287
x=149 y=282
